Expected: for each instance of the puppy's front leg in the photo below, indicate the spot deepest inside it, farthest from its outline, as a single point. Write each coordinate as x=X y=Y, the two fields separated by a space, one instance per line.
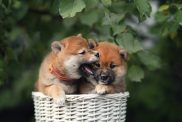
x=58 y=94
x=104 y=89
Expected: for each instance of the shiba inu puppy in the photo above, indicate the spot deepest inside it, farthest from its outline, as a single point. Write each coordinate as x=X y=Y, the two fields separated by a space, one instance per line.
x=60 y=69
x=108 y=74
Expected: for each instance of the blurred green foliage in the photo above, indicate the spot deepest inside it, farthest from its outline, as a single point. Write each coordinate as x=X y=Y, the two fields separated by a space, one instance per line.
x=28 y=27
x=107 y=22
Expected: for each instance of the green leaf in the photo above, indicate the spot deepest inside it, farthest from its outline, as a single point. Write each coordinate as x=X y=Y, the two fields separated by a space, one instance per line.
x=164 y=7
x=179 y=6
x=17 y=4
x=151 y=61
x=112 y=18
x=117 y=29
x=179 y=17
x=160 y=17
x=91 y=3
x=173 y=27
x=107 y=19
x=135 y=73
x=89 y=18
x=69 y=22
x=144 y=8
x=127 y=41
x=68 y=8
x=107 y=2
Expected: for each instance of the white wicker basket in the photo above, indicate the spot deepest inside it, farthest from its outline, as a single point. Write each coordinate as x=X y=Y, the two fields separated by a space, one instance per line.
x=81 y=108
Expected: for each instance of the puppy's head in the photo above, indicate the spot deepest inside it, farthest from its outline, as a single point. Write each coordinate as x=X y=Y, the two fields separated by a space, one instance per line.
x=111 y=68
x=72 y=52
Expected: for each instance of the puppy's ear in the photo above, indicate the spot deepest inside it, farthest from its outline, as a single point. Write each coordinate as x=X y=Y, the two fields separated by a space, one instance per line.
x=79 y=35
x=124 y=54
x=92 y=43
x=56 y=46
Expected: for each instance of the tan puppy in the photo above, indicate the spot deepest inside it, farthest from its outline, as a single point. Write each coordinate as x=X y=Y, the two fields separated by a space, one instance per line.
x=108 y=75
x=59 y=71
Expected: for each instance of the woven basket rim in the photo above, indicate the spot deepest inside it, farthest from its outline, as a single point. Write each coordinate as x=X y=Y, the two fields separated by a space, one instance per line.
x=88 y=96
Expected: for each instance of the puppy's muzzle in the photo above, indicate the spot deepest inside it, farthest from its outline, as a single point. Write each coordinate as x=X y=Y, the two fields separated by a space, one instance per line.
x=97 y=55
x=106 y=77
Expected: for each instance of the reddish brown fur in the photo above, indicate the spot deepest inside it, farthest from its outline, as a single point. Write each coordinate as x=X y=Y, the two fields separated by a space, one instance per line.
x=108 y=53
x=51 y=85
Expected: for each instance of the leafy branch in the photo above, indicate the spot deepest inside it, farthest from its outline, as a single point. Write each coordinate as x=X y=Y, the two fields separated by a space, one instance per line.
x=113 y=15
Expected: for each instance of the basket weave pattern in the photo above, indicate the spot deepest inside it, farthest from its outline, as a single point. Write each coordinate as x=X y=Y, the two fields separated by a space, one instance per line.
x=81 y=108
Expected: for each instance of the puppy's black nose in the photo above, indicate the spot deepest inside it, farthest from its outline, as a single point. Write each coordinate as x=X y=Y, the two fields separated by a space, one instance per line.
x=104 y=77
x=97 y=55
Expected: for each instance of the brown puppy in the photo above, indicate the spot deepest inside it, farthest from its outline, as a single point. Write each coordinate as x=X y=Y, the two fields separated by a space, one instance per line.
x=108 y=75
x=59 y=71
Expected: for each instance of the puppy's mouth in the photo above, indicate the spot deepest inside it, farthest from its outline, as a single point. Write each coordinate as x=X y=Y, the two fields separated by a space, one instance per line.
x=87 y=69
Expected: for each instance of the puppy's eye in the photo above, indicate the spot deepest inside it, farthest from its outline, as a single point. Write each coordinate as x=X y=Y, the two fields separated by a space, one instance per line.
x=97 y=65
x=82 y=52
x=112 y=66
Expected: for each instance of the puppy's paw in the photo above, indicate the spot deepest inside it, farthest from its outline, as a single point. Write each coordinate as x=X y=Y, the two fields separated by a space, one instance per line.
x=60 y=100
x=103 y=89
